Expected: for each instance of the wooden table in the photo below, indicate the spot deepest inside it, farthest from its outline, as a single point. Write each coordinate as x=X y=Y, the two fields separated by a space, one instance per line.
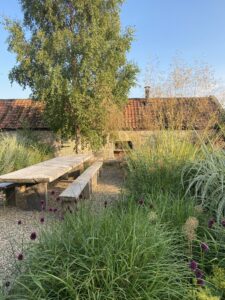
x=32 y=182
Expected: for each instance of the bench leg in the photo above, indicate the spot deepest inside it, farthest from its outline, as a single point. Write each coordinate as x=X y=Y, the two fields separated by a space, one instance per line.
x=10 y=194
x=100 y=172
x=94 y=181
x=87 y=191
x=30 y=197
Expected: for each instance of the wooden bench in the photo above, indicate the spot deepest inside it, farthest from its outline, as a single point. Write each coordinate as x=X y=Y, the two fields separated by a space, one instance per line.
x=81 y=187
x=31 y=183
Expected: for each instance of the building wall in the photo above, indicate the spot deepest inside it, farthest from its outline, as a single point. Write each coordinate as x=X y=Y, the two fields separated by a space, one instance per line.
x=137 y=139
x=62 y=147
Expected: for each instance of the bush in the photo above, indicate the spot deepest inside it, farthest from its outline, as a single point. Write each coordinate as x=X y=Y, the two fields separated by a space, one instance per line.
x=19 y=151
x=115 y=255
x=158 y=165
x=174 y=210
x=205 y=180
x=215 y=239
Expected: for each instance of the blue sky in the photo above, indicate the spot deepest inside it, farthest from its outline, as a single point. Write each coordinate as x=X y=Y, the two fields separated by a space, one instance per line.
x=194 y=28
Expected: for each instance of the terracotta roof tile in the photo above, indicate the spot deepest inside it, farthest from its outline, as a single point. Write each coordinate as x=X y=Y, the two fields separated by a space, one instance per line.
x=17 y=113
x=158 y=113
x=139 y=113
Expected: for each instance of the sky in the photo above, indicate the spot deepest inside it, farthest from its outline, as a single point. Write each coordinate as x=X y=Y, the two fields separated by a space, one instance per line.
x=193 y=28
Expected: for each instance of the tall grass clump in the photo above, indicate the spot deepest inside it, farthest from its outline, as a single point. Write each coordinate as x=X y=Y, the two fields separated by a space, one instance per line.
x=205 y=179
x=19 y=151
x=171 y=209
x=157 y=166
x=117 y=254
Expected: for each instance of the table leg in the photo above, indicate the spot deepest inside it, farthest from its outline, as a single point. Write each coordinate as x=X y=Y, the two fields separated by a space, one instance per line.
x=10 y=194
x=46 y=195
x=31 y=197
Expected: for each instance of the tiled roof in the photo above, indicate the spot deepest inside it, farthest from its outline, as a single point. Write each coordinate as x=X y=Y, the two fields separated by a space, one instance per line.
x=139 y=113
x=18 y=113
x=181 y=113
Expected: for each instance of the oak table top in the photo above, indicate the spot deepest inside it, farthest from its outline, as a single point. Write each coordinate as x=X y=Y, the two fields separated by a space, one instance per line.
x=46 y=171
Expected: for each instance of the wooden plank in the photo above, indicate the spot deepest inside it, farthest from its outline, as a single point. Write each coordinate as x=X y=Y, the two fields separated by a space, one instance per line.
x=75 y=189
x=46 y=171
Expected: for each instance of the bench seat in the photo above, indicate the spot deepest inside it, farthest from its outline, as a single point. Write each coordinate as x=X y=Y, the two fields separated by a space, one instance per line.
x=82 y=186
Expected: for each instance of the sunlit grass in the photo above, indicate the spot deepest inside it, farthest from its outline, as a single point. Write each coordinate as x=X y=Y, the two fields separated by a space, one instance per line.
x=118 y=254
x=19 y=151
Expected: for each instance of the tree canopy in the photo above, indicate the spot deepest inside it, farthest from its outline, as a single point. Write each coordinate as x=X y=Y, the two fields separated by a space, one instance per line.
x=72 y=54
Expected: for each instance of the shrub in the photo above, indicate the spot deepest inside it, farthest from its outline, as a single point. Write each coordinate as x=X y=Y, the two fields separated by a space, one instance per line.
x=117 y=254
x=215 y=239
x=205 y=180
x=158 y=165
x=174 y=210
x=17 y=152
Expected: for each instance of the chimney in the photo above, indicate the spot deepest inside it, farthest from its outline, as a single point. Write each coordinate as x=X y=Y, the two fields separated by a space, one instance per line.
x=147 y=92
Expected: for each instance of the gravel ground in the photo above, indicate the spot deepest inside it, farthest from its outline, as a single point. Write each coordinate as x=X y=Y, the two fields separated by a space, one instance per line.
x=109 y=185
x=13 y=236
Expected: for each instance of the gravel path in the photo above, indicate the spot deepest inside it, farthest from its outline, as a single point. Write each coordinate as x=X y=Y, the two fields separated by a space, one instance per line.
x=12 y=234
x=16 y=226
x=109 y=185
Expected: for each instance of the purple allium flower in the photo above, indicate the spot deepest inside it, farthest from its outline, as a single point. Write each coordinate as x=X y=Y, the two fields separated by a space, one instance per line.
x=50 y=209
x=33 y=236
x=20 y=256
x=204 y=247
x=200 y=282
x=52 y=192
x=105 y=204
x=19 y=222
x=193 y=265
x=55 y=210
x=199 y=273
x=42 y=219
x=211 y=222
x=7 y=283
x=141 y=201
x=42 y=202
x=223 y=223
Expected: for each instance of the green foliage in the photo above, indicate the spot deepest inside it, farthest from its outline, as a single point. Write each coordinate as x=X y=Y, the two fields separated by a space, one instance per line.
x=212 y=263
x=205 y=294
x=172 y=209
x=205 y=179
x=215 y=239
x=217 y=281
x=19 y=151
x=115 y=255
x=72 y=55
x=158 y=165
x=154 y=179
x=140 y=247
